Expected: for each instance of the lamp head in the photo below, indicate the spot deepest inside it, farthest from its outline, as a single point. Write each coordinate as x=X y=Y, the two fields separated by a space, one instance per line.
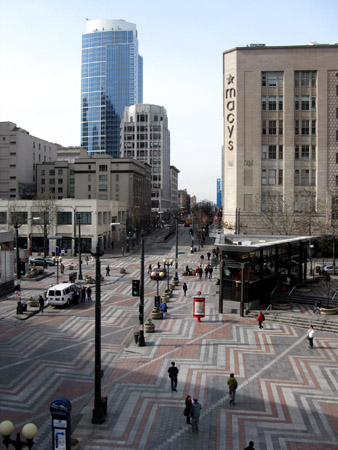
x=29 y=430
x=6 y=428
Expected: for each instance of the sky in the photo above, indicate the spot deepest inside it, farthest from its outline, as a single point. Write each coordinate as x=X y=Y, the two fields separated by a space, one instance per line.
x=181 y=41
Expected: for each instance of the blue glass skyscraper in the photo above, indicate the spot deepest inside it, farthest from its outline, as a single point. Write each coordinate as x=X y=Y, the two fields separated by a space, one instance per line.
x=111 y=79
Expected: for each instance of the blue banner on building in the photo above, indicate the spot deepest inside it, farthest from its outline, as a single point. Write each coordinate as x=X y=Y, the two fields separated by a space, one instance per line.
x=219 y=192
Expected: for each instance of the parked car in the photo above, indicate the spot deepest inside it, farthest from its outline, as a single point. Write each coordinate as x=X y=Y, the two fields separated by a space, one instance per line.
x=329 y=269
x=63 y=294
x=187 y=224
x=40 y=261
x=157 y=272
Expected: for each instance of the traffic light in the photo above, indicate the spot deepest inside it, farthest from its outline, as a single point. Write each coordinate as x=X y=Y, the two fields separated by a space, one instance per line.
x=22 y=267
x=136 y=288
x=190 y=231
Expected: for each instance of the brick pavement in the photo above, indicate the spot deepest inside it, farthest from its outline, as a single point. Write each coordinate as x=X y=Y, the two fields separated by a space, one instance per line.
x=286 y=399
x=287 y=395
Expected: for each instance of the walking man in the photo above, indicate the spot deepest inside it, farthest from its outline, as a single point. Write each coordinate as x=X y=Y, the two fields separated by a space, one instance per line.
x=232 y=383
x=310 y=332
x=173 y=373
x=185 y=288
x=41 y=303
x=195 y=415
x=83 y=294
x=107 y=271
x=250 y=446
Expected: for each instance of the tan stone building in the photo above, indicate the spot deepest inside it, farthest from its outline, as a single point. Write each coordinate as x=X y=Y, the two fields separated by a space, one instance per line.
x=280 y=138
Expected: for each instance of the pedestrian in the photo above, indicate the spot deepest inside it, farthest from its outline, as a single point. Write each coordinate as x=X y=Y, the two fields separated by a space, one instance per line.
x=195 y=415
x=197 y=272
x=89 y=293
x=232 y=383
x=158 y=265
x=206 y=271
x=107 y=271
x=208 y=255
x=310 y=334
x=112 y=245
x=164 y=309
x=260 y=319
x=83 y=294
x=185 y=288
x=150 y=269
x=210 y=272
x=202 y=259
x=187 y=409
x=41 y=303
x=86 y=259
x=173 y=373
x=250 y=446
x=200 y=272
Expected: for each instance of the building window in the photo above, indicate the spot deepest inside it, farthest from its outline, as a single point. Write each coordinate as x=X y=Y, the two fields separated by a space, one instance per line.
x=3 y=217
x=60 y=180
x=43 y=181
x=264 y=103
x=72 y=181
x=336 y=180
x=336 y=135
x=89 y=187
x=52 y=181
x=272 y=127
x=272 y=152
x=313 y=153
x=272 y=79
x=280 y=127
x=103 y=177
x=313 y=177
x=103 y=168
x=305 y=79
x=280 y=103
x=305 y=152
x=90 y=177
x=42 y=172
x=117 y=178
x=296 y=127
x=263 y=176
x=103 y=197
x=305 y=127
x=272 y=103
x=85 y=218
x=305 y=177
x=296 y=177
x=305 y=103
x=264 y=127
x=313 y=103
x=313 y=127
x=51 y=173
x=280 y=152
x=60 y=172
x=64 y=218
x=280 y=177
x=336 y=158
x=103 y=188
x=264 y=151
x=272 y=177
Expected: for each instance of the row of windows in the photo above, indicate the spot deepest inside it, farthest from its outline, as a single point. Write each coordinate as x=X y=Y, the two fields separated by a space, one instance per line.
x=142 y=137
x=302 y=79
x=303 y=127
x=147 y=144
x=142 y=128
x=274 y=203
x=302 y=152
x=303 y=177
x=302 y=103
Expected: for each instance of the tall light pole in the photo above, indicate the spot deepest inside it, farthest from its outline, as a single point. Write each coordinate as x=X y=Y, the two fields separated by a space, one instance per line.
x=98 y=411
x=16 y=226
x=79 y=240
x=176 y=261
x=168 y=264
x=141 y=340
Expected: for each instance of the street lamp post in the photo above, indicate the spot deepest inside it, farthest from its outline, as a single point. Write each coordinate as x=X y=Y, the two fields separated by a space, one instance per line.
x=176 y=261
x=168 y=264
x=80 y=262
x=57 y=261
x=16 y=226
x=157 y=277
x=141 y=340
x=29 y=431
x=98 y=411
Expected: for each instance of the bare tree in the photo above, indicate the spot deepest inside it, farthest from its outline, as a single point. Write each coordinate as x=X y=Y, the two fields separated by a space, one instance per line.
x=46 y=209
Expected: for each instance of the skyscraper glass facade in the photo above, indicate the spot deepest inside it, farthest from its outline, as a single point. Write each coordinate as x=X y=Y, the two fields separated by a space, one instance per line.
x=111 y=79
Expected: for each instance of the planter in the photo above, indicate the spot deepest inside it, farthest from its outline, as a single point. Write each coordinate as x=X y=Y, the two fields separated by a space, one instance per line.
x=75 y=444
x=281 y=305
x=172 y=286
x=156 y=314
x=328 y=310
x=33 y=303
x=167 y=292
x=185 y=273
x=122 y=270
x=149 y=328
x=175 y=282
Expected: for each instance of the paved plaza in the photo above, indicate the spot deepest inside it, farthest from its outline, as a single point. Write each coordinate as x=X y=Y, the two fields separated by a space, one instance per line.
x=287 y=394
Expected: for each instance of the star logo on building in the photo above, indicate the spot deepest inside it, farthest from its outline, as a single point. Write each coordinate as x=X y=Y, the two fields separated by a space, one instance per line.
x=230 y=79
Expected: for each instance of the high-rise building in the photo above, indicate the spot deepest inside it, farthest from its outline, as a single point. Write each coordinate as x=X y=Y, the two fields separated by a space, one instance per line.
x=145 y=136
x=111 y=79
x=20 y=152
x=280 y=138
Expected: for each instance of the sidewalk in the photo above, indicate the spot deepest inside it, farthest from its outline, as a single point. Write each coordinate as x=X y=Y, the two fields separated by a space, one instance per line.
x=278 y=380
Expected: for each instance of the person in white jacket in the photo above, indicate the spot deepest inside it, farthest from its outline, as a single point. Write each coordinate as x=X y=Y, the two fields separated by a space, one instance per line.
x=310 y=334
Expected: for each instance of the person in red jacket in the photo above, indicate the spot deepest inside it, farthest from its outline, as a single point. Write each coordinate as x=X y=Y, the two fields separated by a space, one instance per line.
x=260 y=319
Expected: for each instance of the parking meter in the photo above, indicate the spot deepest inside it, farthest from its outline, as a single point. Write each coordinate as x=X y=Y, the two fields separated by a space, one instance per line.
x=157 y=301
x=61 y=430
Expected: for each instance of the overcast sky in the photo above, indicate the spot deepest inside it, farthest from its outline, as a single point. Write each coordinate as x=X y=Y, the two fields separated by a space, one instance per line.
x=181 y=42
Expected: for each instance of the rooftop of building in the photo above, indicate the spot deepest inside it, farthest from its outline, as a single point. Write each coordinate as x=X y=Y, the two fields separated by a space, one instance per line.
x=258 y=46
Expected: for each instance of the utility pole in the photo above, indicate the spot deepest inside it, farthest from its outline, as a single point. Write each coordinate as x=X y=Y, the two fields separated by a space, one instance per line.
x=141 y=340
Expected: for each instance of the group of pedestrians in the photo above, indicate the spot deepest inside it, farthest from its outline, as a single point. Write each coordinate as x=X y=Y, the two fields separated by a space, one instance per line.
x=86 y=291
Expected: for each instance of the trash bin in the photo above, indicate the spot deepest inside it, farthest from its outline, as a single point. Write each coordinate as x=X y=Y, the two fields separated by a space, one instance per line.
x=72 y=277
x=136 y=336
x=195 y=249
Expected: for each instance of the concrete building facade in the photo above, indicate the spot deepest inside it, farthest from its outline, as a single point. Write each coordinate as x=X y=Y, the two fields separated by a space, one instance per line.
x=145 y=136
x=101 y=177
x=61 y=218
x=19 y=154
x=280 y=137
x=174 y=189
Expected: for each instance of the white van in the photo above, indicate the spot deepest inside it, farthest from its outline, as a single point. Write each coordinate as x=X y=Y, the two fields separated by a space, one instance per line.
x=61 y=294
